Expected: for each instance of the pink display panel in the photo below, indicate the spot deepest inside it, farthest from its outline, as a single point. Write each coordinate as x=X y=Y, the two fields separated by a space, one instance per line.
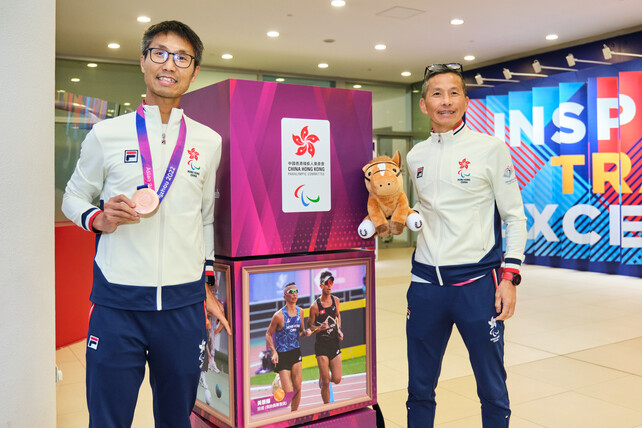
x=290 y=178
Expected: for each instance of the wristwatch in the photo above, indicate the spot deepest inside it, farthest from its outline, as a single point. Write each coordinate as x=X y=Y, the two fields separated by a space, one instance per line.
x=513 y=277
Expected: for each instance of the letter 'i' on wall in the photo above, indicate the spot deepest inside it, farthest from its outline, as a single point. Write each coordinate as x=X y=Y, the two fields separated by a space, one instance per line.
x=577 y=151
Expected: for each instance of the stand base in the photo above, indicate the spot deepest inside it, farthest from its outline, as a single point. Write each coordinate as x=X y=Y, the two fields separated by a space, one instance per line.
x=362 y=418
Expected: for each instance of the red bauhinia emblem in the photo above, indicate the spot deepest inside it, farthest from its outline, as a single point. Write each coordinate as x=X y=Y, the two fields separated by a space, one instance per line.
x=193 y=154
x=305 y=142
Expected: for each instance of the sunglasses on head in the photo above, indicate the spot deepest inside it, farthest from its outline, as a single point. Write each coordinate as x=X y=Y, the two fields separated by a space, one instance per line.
x=433 y=69
x=292 y=291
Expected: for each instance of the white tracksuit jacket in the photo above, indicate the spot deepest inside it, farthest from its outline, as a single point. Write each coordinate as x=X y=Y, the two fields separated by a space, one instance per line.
x=158 y=262
x=465 y=185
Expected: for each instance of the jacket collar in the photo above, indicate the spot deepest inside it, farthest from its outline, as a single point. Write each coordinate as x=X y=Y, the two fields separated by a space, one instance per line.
x=453 y=133
x=152 y=115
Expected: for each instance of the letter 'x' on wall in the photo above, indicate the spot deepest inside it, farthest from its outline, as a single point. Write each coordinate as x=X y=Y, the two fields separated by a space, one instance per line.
x=540 y=222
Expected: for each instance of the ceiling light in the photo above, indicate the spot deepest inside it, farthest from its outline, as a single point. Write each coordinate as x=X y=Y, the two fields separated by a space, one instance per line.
x=406 y=73
x=357 y=86
x=60 y=91
x=75 y=79
x=227 y=56
x=143 y=95
x=338 y=3
x=480 y=80
x=273 y=33
x=113 y=46
x=571 y=60
x=92 y=65
x=469 y=57
x=539 y=67
x=280 y=79
x=143 y=19
x=552 y=37
x=509 y=74
x=415 y=91
x=127 y=104
x=380 y=47
x=608 y=53
x=456 y=21
x=323 y=65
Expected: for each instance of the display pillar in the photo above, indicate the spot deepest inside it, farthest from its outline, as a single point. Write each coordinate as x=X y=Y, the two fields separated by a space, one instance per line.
x=290 y=197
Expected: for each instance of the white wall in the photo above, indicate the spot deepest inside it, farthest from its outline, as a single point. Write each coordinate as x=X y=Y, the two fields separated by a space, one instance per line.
x=27 y=354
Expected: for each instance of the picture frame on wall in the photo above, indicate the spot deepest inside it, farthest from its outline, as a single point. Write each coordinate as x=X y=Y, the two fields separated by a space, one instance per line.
x=215 y=394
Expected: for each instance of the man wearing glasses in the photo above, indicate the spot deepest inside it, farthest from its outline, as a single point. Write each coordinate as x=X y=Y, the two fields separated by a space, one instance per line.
x=325 y=321
x=286 y=326
x=154 y=173
x=466 y=186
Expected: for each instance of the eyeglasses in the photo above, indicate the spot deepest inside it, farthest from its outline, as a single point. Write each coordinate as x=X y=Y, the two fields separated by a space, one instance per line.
x=292 y=291
x=160 y=56
x=433 y=69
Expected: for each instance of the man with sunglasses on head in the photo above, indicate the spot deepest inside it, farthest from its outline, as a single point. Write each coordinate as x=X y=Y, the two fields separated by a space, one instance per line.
x=286 y=326
x=325 y=321
x=465 y=185
x=154 y=173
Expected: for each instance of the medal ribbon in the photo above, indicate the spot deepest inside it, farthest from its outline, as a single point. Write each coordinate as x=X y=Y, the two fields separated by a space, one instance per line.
x=146 y=155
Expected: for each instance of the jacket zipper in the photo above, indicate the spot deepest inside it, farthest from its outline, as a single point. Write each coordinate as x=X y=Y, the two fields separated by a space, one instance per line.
x=440 y=146
x=159 y=283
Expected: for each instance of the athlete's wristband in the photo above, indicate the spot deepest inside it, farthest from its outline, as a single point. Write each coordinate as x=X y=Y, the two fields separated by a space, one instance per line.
x=514 y=278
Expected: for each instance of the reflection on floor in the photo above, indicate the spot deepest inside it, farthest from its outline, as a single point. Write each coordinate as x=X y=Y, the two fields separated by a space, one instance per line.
x=573 y=355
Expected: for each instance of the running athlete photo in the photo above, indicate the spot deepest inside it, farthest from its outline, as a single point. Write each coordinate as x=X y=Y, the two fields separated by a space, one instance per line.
x=286 y=326
x=325 y=322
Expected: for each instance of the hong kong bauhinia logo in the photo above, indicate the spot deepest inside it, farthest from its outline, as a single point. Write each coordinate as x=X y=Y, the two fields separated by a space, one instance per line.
x=464 y=174
x=193 y=157
x=305 y=141
x=463 y=165
x=305 y=199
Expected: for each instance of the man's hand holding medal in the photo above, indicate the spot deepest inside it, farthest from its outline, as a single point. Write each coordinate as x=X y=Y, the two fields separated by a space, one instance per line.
x=117 y=210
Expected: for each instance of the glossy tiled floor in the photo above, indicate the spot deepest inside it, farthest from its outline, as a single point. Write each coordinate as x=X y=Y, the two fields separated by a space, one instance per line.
x=573 y=355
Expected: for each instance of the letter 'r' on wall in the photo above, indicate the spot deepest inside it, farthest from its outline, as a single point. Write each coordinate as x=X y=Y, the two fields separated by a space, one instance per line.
x=619 y=163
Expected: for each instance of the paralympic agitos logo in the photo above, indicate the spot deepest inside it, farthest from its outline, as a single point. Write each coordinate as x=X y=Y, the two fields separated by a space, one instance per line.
x=305 y=199
x=193 y=157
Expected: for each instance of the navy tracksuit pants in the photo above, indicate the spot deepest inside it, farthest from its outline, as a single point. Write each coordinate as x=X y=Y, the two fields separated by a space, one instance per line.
x=432 y=311
x=121 y=342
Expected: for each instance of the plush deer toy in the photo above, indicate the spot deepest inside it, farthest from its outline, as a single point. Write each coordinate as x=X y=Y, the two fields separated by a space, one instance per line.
x=388 y=209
